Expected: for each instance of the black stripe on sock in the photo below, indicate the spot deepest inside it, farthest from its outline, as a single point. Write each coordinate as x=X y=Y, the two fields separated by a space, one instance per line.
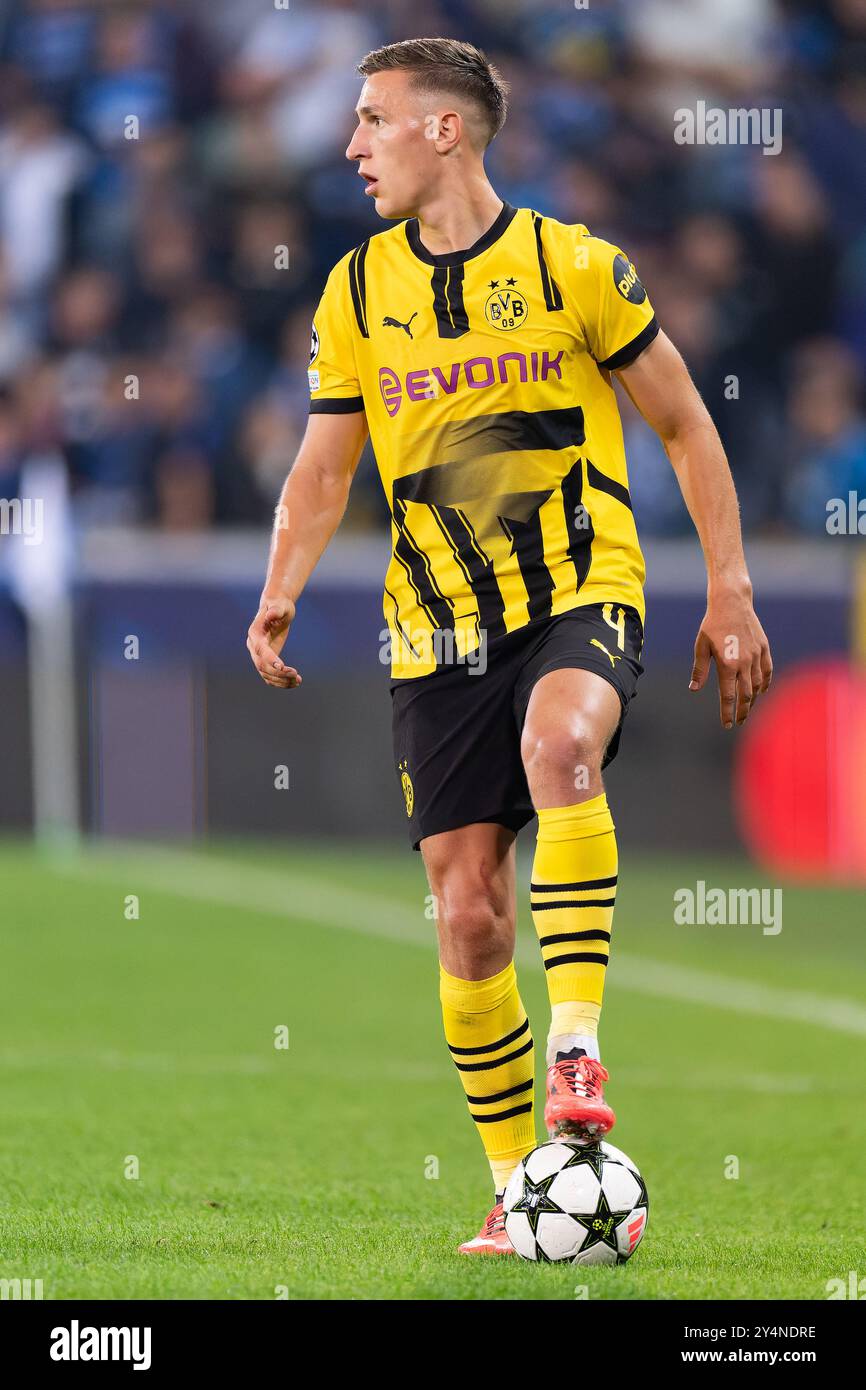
x=500 y=1061
x=573 y=936
x=501 y=1095
x=490 y=1047
x=573 y=887
x=577 y=902
x=505 y=1115
x=579 y=958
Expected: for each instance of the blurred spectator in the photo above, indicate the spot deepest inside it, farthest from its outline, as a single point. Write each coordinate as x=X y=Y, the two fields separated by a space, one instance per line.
x=132 y=81
x=40 y=164
x=206 y=335
x=10 y=444
x=827 y=445
x=51 y=41
x=269 y=262
x=796 y=254
x=302 y=69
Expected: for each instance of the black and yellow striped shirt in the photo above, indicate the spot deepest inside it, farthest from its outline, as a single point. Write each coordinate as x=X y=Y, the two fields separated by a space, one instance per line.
x=485 y=376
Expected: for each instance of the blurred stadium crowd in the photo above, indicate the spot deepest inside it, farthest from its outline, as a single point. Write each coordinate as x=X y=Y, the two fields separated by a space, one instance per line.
x=154 y=257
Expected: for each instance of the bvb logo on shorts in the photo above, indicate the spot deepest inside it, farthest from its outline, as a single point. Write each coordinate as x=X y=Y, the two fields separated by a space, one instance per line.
x=505 y=309
x=408 y=789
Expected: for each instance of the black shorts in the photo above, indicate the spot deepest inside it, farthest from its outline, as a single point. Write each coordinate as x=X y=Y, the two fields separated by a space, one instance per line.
x=457 y=731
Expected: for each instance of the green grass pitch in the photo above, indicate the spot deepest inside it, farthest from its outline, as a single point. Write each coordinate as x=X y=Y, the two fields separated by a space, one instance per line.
x=306 y=1171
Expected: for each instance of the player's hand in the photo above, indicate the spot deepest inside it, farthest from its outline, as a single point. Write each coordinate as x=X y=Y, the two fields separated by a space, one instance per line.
x=732 y=636
x=268 y=631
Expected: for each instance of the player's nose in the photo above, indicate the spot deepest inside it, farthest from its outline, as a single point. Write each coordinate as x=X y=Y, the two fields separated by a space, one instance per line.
x=355 y=149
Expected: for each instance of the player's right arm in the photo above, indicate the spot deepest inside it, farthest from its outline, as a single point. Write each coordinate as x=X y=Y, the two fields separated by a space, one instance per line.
x=314 y=497
x=310 y=509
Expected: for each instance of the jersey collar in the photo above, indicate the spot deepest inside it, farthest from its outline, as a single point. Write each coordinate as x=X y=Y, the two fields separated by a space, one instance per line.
x=492 y=234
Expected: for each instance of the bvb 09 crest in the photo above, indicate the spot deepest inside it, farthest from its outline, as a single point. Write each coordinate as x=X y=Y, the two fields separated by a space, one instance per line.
x=505 y=309
x=408 y=789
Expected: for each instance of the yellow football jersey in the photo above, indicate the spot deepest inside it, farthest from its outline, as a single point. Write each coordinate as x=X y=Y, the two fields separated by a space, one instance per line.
x=485 y=378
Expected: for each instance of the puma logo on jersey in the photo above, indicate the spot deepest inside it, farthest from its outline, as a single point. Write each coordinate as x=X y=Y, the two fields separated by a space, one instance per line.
x=594 y=642
x=388 y=322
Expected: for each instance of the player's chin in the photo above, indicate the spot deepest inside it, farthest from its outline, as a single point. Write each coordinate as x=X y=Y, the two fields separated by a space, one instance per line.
x=389 y=209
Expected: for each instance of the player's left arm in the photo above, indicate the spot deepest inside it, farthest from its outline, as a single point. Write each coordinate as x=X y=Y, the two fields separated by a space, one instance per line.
x=730 y=634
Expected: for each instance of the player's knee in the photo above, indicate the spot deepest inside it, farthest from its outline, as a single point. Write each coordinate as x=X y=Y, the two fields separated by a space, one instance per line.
x=561 y=751
x=474 y=922
x=471 y=909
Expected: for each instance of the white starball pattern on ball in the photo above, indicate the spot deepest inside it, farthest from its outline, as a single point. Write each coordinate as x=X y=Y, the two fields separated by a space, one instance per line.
x=580 y=1204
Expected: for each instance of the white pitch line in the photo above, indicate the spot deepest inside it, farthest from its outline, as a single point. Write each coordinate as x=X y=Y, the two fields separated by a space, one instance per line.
x=203 y=878
x=689 y=986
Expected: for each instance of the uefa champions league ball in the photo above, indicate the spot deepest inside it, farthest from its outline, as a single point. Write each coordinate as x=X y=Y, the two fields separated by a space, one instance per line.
x=570 y=1203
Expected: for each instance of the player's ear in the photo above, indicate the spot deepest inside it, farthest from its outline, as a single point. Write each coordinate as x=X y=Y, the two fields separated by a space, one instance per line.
x=446 y=128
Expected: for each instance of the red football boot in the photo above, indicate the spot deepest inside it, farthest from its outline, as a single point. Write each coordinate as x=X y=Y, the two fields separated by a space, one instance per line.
x=492 y=1238
x=576 y=1109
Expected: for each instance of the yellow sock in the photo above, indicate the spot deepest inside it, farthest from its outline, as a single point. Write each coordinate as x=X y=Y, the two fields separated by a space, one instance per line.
x=488 y=1035
x=572 y=893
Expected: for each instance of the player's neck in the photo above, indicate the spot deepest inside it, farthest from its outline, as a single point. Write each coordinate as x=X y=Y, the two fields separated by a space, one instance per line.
x=458 y=217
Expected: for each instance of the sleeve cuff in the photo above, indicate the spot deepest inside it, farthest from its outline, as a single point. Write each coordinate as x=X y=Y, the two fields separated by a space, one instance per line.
x=337 y=405
x=627 y=354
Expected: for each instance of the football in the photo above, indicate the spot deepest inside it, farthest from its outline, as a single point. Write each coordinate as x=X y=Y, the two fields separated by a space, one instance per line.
x=570 y=1203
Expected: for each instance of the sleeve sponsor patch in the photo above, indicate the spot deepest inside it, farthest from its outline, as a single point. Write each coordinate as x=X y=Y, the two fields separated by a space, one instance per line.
x=626 y=280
